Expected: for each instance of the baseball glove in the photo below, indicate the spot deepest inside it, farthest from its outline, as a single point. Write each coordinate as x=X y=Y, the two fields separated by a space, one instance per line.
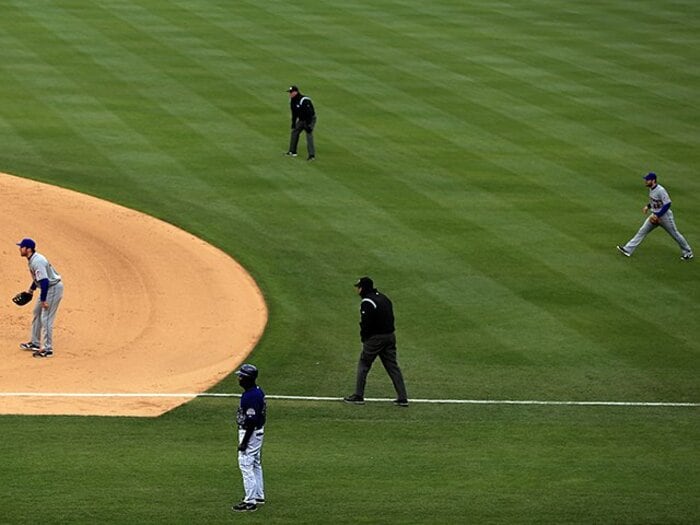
x=22 y=298
x=654 y=219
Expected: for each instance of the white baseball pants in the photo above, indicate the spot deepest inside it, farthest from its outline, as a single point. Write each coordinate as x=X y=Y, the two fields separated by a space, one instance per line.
x=249 y=461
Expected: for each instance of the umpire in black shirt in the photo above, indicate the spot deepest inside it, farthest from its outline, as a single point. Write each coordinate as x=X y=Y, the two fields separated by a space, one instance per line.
x=378 y=339
x=303 y=119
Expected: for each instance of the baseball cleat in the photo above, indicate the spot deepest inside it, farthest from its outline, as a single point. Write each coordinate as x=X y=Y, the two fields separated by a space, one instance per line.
x=354 y=399
x=400 y=402
x=311 y=157
x=291 y=154
x=624 y=252
x=30 y=346
x=687 y=256
x=260 y=501
x=43 y=353
x=244 y=507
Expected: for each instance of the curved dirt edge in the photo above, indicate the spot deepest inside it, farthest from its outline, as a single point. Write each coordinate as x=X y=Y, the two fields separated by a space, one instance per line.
x=148 y=308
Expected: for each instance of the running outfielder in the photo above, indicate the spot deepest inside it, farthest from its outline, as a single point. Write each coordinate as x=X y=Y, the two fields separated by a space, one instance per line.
x=661 y=215
x=45 y=277
x=251 y=431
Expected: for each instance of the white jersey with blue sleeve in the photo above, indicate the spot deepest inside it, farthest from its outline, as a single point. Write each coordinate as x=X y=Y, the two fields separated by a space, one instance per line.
x=658 y=198
x=41 y=268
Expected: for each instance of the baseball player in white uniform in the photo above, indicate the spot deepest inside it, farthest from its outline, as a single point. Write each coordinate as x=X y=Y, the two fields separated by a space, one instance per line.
x=251 y=417
x=45 y=277
x=661 y=215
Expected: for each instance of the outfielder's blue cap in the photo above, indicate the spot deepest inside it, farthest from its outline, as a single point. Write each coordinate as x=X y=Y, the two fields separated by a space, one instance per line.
x=27 y=243
x=650 y=176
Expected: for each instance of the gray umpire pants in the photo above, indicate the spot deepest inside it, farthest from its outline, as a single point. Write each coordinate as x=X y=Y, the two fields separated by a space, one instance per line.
x=384 y=346
x=42 y=322
x=300 y=126
x=667 y=223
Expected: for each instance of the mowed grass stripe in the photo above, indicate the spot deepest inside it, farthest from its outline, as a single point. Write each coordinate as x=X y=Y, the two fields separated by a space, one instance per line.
x=47 y=139
x=163 y=90
x=530 y=68
x=105 y=131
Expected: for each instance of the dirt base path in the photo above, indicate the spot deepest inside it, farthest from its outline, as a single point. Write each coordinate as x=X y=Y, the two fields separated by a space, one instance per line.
x=147 y=308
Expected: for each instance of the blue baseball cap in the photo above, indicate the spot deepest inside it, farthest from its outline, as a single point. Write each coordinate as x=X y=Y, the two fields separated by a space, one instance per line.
x=27 y=243
x=650 y=176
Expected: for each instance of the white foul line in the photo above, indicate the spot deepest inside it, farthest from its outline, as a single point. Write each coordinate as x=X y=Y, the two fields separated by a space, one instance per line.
x=318 y=398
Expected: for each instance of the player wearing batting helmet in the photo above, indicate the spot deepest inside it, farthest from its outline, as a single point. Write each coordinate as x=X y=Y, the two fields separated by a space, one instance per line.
x=250 y=418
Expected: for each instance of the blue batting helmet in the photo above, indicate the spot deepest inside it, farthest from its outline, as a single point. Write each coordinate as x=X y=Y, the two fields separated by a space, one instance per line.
x=247 y=370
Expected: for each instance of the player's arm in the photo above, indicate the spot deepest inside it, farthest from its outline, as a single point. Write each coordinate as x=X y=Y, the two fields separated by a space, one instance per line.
x=44 y=285
x=249 y=429
x=663 y=209
x=367 y=311
x=249 y=426
x=664 y=200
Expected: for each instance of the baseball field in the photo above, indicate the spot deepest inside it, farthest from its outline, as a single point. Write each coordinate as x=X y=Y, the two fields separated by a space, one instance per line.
x=479 y=159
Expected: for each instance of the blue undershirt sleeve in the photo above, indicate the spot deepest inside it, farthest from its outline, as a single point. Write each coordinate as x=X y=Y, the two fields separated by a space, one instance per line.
x=44 y=284
x=663 y=210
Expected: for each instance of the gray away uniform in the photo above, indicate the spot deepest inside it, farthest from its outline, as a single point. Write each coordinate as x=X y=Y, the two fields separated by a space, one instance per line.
x=658 y=199
x=42 y=322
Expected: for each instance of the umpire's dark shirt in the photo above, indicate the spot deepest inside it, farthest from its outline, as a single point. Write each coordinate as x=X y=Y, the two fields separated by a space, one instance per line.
x=376 y=315
x=302 y=108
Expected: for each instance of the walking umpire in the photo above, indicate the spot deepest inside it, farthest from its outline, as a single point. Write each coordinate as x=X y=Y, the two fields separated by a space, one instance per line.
x=378 y=339
x=303 y=119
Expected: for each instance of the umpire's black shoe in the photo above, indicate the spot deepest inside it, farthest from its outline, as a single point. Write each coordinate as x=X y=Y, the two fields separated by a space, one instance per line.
x=401 y=402
x=244 y=507
x=311 y=157
x=354 y=399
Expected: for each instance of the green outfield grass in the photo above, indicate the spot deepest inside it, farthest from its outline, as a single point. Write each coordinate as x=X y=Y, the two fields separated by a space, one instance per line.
x=479 y=159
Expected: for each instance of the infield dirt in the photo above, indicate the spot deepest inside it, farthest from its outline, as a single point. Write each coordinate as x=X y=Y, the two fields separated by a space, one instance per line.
x=147 y=307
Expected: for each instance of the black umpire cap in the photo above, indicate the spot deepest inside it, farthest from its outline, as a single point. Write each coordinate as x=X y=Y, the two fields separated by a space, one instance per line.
x=365 y=283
